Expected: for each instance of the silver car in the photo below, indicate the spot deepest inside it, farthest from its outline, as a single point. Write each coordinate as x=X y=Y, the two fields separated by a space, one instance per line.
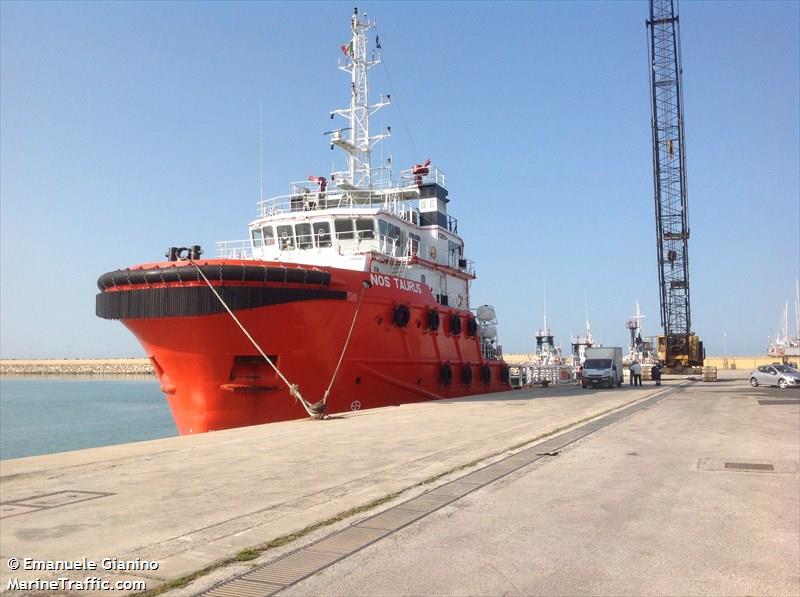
x=775 y=375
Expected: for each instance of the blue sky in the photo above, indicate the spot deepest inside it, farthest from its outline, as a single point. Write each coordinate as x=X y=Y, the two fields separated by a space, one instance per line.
x=129 y=127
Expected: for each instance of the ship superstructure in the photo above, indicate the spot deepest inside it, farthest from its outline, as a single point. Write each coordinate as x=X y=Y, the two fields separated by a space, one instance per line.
x=351 y=292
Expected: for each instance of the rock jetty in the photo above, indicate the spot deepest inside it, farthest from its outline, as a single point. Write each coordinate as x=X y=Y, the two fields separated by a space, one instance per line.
x=11 y=367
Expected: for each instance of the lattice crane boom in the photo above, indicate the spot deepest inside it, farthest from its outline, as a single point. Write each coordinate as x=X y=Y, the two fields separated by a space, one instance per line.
x=679 y=346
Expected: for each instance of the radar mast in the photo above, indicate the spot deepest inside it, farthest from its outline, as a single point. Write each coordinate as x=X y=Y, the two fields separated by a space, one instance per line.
x=355 y=140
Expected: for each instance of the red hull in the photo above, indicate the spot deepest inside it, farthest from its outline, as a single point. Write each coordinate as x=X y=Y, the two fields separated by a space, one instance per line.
x=214 y=378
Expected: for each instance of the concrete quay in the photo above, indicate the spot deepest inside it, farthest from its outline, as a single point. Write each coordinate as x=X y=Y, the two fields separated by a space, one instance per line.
x=191 y=502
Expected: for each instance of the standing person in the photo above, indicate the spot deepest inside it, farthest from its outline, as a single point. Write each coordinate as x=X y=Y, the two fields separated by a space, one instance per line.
x=636 y=373
x=656 y=373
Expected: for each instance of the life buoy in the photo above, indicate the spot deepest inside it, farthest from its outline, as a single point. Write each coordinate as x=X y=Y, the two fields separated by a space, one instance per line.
x=433 y=320
x=486 y=374
x=455 y=325
x=472 y=326
x=446 y=374
x=433 y=252
x=401 y=316
x=466 y=374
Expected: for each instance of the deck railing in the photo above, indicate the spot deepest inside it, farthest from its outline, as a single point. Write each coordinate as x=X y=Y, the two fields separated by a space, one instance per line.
x=397 y=197
x=234 y=249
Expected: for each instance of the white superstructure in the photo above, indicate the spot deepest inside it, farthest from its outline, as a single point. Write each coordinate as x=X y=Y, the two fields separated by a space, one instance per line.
x=360 y=219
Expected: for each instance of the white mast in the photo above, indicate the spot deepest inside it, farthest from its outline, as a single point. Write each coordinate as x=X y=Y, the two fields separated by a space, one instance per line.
x=797 y=308
x=588 y=321
x=357 y=143
x=786 y=322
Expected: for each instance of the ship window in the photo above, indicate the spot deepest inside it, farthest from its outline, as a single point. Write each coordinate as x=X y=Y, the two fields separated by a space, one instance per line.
x=395 y=232
x=383 y=227
x=454 y=253
x=285 y=238
x=413 y=243
x=304 y=239
x=255 y=233
x=344 y=229
x=395 y=239
x=365 y=228
x=269 y=236
x=322 y=230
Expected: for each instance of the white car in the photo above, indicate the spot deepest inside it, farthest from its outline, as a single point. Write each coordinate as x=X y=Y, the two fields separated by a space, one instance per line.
x=775 y=375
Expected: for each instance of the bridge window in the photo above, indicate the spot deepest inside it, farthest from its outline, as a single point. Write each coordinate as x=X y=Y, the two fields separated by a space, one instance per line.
x=304 y=238
x=286 y=238
x=255 y=233
x=269 y=236
x=322 y=232
x=365 y=228
x=344 y=229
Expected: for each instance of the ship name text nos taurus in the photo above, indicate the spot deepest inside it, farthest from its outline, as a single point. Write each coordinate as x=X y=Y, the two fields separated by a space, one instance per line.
x=386 y=282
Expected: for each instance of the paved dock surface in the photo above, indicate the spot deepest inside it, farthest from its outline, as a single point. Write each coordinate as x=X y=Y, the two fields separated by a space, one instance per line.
x=647 y=500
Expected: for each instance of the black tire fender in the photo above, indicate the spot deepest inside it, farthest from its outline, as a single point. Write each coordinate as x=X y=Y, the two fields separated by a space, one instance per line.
x=472 y=326
x=455 y=325
x=401 y=315
x=466 y=373
x=446 y=374
x=433 y=320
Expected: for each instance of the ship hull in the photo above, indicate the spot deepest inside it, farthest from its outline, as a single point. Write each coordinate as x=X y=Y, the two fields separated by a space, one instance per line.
x=215 y=378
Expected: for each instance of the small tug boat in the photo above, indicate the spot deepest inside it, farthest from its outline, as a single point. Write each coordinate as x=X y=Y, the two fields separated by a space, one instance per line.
x=349 y=293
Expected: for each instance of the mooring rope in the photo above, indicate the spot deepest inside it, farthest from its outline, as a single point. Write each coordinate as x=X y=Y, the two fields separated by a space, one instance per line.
x=364 y=286
x=314 y=410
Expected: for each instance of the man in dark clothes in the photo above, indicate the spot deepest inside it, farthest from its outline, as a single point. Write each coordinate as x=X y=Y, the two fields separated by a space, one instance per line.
x=655 y=373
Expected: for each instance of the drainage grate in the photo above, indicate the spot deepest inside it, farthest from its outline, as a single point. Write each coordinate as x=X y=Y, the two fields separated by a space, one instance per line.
x=777 y=402
x=244 y=588
x=393 y=519
x=749 y=466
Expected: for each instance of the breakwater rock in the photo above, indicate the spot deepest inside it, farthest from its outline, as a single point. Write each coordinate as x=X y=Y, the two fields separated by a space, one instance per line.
x=11 y=367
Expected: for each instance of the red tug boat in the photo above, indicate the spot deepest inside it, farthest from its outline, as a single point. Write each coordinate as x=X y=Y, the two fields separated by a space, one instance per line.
x=348 y=295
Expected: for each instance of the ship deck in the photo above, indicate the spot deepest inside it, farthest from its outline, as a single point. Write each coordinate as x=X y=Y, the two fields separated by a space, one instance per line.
x=615 y=473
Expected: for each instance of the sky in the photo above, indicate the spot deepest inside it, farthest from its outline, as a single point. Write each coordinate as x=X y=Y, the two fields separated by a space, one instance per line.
x=126 y=128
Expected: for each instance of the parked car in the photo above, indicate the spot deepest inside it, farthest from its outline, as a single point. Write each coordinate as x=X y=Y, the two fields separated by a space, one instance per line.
x=775 y=375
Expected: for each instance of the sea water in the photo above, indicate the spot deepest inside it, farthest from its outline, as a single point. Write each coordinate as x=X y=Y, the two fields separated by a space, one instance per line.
x=46 y=415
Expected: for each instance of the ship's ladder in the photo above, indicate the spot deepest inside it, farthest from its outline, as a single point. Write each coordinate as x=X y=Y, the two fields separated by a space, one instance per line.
x=399 y=264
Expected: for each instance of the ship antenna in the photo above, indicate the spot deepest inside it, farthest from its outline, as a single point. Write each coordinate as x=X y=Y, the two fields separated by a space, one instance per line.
x=358 y=143
x=261 y=151
x=545 y=308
